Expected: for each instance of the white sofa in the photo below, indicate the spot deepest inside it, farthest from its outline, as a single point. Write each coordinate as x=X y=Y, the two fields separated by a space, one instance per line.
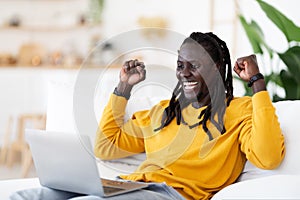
x=254 y=183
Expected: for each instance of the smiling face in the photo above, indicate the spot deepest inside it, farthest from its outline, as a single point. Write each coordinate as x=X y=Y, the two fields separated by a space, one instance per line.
x=203 y=60
x=195 y=71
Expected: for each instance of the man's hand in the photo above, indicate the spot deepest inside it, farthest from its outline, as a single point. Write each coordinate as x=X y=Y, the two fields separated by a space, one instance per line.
x=132 y=72
x=246 y=67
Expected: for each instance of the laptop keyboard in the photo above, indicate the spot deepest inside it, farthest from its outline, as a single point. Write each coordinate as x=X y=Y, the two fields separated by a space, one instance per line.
x=108 y=189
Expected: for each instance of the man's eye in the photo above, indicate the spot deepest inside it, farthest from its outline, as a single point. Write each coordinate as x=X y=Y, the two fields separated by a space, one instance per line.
x=179 y=66
x=195 y=66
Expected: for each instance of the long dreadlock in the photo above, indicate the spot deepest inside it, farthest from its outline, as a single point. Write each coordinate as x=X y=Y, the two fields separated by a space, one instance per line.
x=219 y=52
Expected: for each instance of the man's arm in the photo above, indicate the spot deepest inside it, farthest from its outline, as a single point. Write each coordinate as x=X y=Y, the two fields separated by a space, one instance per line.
x=261 y=138
x=114 y=138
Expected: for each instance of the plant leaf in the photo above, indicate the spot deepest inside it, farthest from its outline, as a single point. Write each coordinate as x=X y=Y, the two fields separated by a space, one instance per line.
x=287 y=26
x=252 y=39
x=291 y=59
x=277 y=98
x=290 y=86
x=255 y=36
x=273 y=77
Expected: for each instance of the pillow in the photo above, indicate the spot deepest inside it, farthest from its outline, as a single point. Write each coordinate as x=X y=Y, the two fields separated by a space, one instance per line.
x=60 y=106
x=288 y=113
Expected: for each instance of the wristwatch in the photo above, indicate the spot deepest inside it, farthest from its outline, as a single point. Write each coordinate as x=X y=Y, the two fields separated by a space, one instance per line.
x=255 y=78
x=116 y=92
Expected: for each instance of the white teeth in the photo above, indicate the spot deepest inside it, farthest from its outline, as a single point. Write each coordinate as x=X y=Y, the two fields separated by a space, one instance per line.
x=189 y=83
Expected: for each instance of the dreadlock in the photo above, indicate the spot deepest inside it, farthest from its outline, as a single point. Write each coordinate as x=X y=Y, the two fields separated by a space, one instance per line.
x=218 y=51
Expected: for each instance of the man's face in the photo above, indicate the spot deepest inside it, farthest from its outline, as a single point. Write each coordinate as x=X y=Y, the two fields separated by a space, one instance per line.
x=194 y=70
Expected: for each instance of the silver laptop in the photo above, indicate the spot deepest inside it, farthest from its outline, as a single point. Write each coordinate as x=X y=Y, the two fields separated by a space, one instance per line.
x=65 y=161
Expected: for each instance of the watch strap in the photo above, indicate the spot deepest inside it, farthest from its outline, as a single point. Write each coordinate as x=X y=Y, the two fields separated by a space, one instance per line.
x=255 y=78
x=116 y=92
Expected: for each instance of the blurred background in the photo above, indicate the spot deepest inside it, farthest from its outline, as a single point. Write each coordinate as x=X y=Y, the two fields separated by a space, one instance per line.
x=46 y=39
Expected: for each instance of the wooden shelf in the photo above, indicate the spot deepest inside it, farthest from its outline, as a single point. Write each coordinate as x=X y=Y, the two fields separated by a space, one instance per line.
x=48 y=28
x=56 y=67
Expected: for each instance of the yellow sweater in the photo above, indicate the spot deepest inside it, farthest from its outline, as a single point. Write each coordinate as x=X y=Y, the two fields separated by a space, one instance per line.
x=184 y=158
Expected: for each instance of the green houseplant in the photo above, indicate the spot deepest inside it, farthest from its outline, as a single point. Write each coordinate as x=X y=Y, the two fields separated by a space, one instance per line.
x=289 y=77
x=96 y=9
